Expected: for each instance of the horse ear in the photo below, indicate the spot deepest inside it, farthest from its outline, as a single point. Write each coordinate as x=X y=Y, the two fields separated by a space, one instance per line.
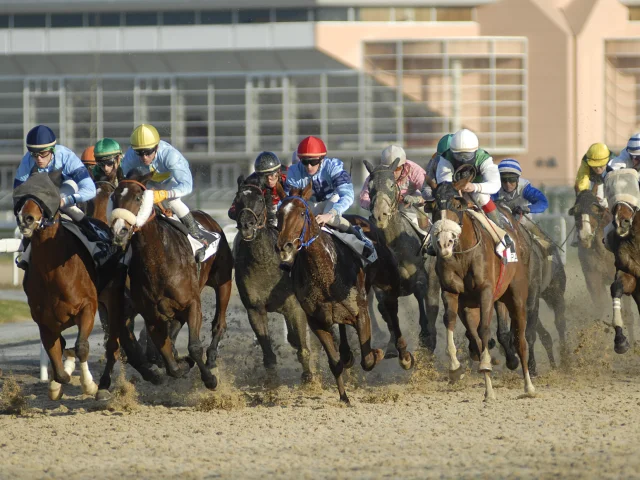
x=240 y=181
x=280 y=191
x=394 y=165
x=367 y=164
x=56 y=177
x=430 y=206
x=307 y=191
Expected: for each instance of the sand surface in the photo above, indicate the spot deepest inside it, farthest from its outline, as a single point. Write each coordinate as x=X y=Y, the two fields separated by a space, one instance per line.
x=581 y=424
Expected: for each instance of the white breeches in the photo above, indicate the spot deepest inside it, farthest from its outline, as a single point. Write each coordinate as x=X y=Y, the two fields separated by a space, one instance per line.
x=178 y=207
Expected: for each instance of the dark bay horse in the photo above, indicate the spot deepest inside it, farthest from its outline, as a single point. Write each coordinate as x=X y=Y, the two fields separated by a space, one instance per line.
x=330 y=283
x=262 y=285
x=165 y=280
x=472 y=278
x=547 y=281
x=63 y=286
x=417 y=276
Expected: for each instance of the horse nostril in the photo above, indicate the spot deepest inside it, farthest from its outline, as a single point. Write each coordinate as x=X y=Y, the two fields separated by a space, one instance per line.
x=28 y=219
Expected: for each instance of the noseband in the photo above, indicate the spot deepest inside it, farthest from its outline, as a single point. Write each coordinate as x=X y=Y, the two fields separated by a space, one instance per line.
x=307 y=224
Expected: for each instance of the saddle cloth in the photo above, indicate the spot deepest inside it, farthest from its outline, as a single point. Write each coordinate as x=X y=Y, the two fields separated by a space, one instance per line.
x=212 y=237
x=497 y=234
x=423 y=235
x=354 y=243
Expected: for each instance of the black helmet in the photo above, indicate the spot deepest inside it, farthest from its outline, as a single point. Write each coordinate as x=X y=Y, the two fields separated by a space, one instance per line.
x=267 y=162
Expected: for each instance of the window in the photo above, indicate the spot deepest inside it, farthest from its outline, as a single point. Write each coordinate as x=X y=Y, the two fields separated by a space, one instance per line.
x=216 y=17
x=254 y=16
x=66 y=20
x=29 y=21
x=104 y=19
x=4 y=21
x=332 y=14
x=179 y=18
x=141 y=19
x=634 y=14
x=454 y=14
x=418 y=14
x=374 y=14
x=292 y=15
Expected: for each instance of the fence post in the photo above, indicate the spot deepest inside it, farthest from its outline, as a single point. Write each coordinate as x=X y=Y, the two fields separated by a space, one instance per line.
x=16 y=271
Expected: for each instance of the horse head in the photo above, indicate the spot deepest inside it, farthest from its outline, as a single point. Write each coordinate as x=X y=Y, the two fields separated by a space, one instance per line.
x=131 y=206
x=296 y=226
x=36 y=201
x=623 y=215
x=589 y=216
x=384 y=192
x=252 y=208
x=448 y=207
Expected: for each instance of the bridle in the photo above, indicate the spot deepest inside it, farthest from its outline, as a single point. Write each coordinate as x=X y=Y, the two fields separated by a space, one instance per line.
x=135 y=228
x=260 y=223
x=306 y=225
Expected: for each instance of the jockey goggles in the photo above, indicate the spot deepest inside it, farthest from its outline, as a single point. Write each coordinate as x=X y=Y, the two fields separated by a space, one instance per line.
x=464 y=156
x=509 y=178
x=106 y=162
x=145 y=151
x=41 y=153
x=310 y=161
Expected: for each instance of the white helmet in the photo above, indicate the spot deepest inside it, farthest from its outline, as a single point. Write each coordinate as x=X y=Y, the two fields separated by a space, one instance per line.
x=392 y=152
x=633 y=146
x=464 y=141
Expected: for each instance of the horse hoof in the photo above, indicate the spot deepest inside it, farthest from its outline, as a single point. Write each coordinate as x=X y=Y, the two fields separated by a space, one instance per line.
x=55 y=393
x=379 y=355
x=90 y=388
x=408 y=361
x=349 y=362
x=308 y=378
x=622 y=346
x=485 y=367
x=512 y=362
x=489 y=398
x=211 y=383
x=103 y=395
x=457 y=374
x=344 y=399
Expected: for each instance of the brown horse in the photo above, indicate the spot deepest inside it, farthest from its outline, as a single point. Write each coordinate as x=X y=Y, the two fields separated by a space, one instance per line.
x=165 y=279
x=330 y=283
x=472 y=278
x=63 y=286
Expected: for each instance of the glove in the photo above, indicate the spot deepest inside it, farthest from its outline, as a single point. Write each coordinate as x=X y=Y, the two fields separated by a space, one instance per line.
x=520 y=210
x=412 y=199
x=159 y=195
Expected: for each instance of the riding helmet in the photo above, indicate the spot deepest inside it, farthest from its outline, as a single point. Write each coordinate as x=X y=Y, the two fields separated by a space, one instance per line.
x=88 y=157
x=267 y=162
x=312 y=147
x=444 y=144
x=107 y=147
x=144 y=136
x=390 y=154
x=510 y=165
x=40 y=138
x=598 y=155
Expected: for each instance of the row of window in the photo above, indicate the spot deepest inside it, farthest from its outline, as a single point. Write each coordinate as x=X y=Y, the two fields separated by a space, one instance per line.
x=226 y=17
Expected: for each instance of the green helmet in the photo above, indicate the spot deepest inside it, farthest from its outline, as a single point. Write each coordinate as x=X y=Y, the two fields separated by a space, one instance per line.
x=105 y=148
x=444 y=143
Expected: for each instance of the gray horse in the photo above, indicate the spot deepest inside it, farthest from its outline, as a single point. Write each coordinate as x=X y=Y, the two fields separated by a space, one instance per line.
x=262 y=285
x=417 y=275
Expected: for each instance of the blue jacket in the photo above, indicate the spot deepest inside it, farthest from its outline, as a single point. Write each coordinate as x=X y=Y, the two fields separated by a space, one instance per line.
x=72 y=168
x=330 y=179
x=171 y=169
x=528 y=195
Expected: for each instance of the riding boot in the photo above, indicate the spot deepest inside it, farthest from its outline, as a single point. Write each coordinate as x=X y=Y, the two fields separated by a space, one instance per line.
x=368 y=249
x=194 y=231
x=497 y=218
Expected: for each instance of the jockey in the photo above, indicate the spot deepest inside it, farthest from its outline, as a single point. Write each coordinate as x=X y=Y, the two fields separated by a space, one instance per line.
x=45 y=155
x=516 y=192
x=464 y=150
x=432 y=166
x=171 y=175
x=332 y=189
x=108 y=155
x=88 y=159
x=630 y=156
x=267 y=175
x=409 y=177
x=593 y=169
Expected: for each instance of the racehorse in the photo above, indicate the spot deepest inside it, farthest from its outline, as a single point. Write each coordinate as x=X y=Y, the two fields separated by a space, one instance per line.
x=417 y=276
x=330 y=283
x=165 y=279
x=472 y=278
x=262 y=285
x=63 y=286
x=105 y=185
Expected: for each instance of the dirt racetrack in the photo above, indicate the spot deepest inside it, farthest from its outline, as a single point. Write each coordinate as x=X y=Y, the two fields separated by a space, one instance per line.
x=581 y=424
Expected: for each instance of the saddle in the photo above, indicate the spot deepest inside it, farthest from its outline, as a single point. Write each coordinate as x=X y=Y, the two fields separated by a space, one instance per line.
x=422 y=228
x=497 y=234
x=212 y=237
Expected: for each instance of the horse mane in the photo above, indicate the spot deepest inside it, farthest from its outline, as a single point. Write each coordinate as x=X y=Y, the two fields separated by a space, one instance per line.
x=585 y=199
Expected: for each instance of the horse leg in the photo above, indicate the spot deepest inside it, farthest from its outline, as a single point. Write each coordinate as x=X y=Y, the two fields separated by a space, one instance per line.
x=109 y=318
x=346 y=355
x=260 y=325
x=547 y=343
x=369 y=357
x=53 y=345
x=504 y=335
x=85 y=320
x=297 y=326
x=135 y=354
x=532 y=327
x=194 y=322
x=627 y=315
x=335 y=363
x=386 y=311
x=432 y=300
x=450 y=301
x=554 y=296
x=158 y=332
x=219 y=324
x=518 y=313
x=623 y=284
x=376 y=331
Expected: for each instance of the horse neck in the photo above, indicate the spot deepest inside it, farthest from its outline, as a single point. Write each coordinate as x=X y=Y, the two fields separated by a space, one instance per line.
x=394 y=229
x=318 y=260
x=47 y=240
x=468 y=226
x=143 y=240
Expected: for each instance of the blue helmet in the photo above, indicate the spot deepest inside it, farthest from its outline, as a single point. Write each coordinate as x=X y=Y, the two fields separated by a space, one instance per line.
x=40 y=138
x=510 y=165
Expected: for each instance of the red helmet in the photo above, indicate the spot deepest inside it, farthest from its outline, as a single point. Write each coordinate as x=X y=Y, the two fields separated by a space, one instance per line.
x=312 y=147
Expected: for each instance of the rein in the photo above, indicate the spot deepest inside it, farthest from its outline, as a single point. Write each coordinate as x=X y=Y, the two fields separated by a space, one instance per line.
x=105 y=182
x=307 y=224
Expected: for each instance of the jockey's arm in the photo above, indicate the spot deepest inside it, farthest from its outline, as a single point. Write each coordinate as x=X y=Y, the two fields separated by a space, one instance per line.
x=179 y=168
x=343 y=187
x=86 y=187
x=444 y=172
x=538 y=202
x=365 y=199
x=582 y=177
x=621 y=161
x=491 y=176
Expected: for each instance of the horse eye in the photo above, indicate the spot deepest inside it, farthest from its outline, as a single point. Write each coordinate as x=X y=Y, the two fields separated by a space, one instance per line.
x=139 y=198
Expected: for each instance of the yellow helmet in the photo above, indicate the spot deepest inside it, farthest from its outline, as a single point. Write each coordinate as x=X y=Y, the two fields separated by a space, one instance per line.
x=144 y=136
x=598 y=155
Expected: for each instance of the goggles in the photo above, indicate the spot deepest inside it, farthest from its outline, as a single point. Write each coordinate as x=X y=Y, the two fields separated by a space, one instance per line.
x=464 y=156
x=41 y=153
x=310 y=161
x=145 y=152
x=509 y=179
